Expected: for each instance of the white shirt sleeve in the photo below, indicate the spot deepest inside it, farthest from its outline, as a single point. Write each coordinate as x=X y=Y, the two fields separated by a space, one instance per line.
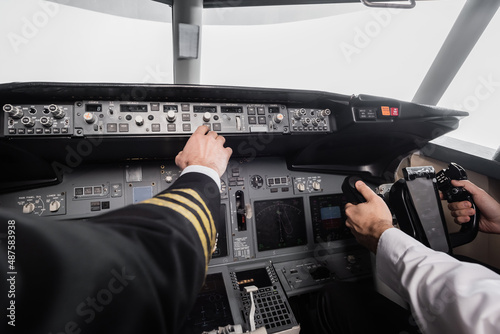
x=445 y=295
x=204 y=170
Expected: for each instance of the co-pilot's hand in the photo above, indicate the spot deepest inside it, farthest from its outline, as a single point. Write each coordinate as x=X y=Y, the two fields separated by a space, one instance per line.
x=489 y=217
x=205 y=148
x=368 y=220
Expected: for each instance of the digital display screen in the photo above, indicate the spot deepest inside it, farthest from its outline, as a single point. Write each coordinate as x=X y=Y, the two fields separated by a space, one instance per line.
x=328 y=218
x=212 y=308
x=134 y=108
x=210 y=109
x=231 y=109
x=280 y=223
x=168 y=107
x=257 y=277
x=93 y=107
x=331 y=214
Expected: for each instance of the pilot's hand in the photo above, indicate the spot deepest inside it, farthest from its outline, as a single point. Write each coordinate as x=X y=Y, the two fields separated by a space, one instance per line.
x=368 y=220
x=489 y=221
x=205 y=148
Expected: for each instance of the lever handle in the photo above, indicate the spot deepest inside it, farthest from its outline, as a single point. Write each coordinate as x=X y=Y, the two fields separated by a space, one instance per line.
x=468 y=231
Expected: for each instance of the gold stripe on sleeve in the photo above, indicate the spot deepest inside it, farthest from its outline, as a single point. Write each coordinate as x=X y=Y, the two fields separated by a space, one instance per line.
x=196 y=196
x=188 y=215
x=195 y=207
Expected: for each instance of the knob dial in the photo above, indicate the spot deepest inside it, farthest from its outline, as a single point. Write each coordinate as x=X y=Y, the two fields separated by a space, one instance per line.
x=14 y=112
x=278 y=118
x=169 y=178
x=46 y=121
x=207 y=116
x=171 y=116
x=54 y=206
x=28 y=122
x=316 y=185
x=139 y=120
x=89 y=117
x=297 y=114
x=28 y=207
x=301 y=187
x=325 y=113
x=56 y=111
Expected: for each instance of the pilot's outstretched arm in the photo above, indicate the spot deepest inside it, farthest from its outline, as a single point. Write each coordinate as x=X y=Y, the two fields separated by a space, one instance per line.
x=445 y=295
x=134 y=270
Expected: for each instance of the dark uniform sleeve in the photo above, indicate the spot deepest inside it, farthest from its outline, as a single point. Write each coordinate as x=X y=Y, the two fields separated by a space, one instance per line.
x=134 y=270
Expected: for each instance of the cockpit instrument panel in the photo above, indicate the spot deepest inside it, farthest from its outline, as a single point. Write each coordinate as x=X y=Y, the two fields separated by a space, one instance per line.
x=280 y=223
x=328 y=218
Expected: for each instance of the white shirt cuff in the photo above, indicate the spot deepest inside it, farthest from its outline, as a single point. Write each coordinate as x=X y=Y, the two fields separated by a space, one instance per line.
x=203 y=170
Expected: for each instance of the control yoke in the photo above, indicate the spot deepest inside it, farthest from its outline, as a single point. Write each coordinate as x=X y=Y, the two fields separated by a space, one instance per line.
x=469 y=230
x=415 y=202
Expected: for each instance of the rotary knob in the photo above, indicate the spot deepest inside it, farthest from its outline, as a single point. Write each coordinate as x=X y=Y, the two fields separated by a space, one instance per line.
x=46 y=121
x=56 y=111
x=54 y=206
x=139 y=120
x=14 y=112
x=89 y=117
x=207 y=116
x=299 y=113
x=301 y=187
x=316 y=185
x=171 y=116
x=28 y=207
x=278 y=118
x=28 y=122
x=169 y=178
x=325 y=113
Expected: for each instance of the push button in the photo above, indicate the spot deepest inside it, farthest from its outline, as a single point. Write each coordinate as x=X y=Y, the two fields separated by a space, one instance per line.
x=123 y=127
x=112 y=127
